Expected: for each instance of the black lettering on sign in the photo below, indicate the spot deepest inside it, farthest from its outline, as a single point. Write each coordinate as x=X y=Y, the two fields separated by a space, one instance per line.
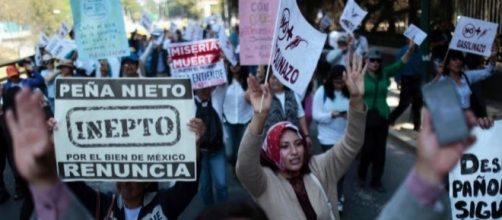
x=121 y=170
x=144 y=89
x=120 y=126
x=478 y=210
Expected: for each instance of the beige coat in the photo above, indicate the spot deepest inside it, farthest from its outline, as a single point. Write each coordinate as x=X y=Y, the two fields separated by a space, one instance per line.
x=275 y=194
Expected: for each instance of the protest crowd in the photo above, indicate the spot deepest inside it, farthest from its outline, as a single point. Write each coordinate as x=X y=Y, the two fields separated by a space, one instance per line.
x=247 y=120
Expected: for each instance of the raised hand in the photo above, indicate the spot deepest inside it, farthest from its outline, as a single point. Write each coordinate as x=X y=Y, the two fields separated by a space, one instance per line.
x=434 y=161
x=255 y=92
x=197 y=126
x=354 y=76
x=33 y=147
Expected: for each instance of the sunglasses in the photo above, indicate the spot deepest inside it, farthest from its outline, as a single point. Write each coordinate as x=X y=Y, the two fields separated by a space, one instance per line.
x=375 y=60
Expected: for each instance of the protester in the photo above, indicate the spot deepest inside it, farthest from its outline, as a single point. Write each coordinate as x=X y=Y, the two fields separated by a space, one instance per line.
x=361 y=46
x=417 y=196
x=411 y=78
x=339 y=55
x=331 y=103
x=286 y=106
x=279 y=172
x=14 y=79
x=237 y=111
x=376 y=82
x=53 y=199
x=50 y=74
x=35 y=161
x=440 y=39
x=157 y=57
x=454 y=69
x=213 y=171
x=130 y=66
x=6 y=138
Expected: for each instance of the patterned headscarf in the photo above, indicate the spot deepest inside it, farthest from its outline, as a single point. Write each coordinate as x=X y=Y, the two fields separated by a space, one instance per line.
x=272 y=145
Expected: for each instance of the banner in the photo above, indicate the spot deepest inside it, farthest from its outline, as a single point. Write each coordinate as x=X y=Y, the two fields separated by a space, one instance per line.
x=474 y=36
x=352 y=16
x=476 y=181
x=99 y=29
x=124 y=130
x=63 y=30
x=200 y=61
x=60 y=48
x=146 y=22
x=415 y=34
x=256 y=30
x=297 y=48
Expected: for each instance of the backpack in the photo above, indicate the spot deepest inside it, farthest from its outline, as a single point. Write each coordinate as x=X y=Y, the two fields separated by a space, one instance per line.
x=213 y=138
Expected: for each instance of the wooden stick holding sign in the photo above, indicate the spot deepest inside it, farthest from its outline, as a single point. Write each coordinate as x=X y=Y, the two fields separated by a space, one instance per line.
x=271 y=51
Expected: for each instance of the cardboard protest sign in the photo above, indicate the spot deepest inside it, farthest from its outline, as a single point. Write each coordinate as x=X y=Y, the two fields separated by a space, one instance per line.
x=476 y=181
x=226 y=46
x=415 y=34
x=60 y=48
x=99 y=29
x=200 y=61
x=63 y=30
x=474 y=36
x=146 y=22
x=256 y=30
x=296 y=49
x=352 y=16
x=124 y=129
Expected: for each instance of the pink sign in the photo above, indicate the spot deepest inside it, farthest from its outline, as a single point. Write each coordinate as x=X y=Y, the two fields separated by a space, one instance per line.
x=257 y=21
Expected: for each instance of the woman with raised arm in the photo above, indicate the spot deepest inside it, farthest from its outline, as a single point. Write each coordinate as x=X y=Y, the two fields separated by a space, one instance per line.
x=276 y=167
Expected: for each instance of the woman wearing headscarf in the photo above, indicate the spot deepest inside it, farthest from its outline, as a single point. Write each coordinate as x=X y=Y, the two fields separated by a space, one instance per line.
x=277 y=169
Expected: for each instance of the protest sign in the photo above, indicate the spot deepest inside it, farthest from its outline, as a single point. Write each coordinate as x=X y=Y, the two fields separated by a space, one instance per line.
x=415 y=34
x=43 y=40
x=99 y=29
x=296 y=49
x=124 y=129
x=256 y=30
x=146 y=22
x=474 y=36
x=200 y=61
x=352 y=16
x=63 y=30
x=476 y=181
x=60 y=48
x=226 y=46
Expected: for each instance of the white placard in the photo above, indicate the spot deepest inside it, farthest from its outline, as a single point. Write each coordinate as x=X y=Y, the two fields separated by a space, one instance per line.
x=296 y=49
x=415 y=34
x=124 y=130
x=63 y=30
x=476 y=181
x=199 y=60
x=60 y=48
x=352 y=16
x=146 y=22
x=474 y=36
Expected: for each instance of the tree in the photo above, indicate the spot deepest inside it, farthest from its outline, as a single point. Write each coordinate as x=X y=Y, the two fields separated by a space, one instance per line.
x=132 y=9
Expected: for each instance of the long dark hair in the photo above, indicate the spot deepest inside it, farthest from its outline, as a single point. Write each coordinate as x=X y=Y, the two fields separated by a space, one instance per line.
x=243 y=75
x=452 y=54
x=335 y=73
